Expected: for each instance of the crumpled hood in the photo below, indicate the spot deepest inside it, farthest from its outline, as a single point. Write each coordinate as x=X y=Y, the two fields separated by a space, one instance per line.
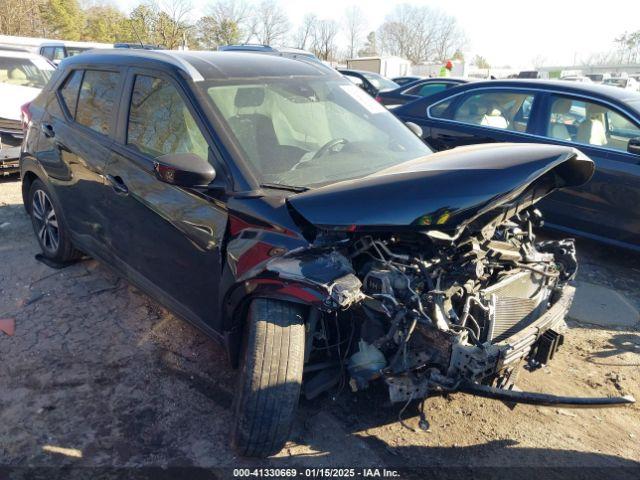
x=447 y=191
x=13 y=97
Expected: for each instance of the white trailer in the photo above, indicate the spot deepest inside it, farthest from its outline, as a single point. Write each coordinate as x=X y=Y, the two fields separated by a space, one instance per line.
x=386 y=66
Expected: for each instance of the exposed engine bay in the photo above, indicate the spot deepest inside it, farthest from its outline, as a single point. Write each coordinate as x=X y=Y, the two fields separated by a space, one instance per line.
x=432 y=284
x=420 y=312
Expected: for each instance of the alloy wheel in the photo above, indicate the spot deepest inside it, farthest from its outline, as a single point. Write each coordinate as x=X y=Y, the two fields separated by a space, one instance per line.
x=46 y=221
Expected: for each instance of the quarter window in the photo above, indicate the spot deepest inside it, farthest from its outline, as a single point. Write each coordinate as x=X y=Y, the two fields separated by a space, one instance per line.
x=160 y=122
x=503 y=110
x=427 y=89
x=589 y=123
x=69 y=91
x=96 y=100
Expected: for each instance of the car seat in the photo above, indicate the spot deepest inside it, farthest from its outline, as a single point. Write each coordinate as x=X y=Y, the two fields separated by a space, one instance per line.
x=560 y=107
x=591 y=131
x=494 y=118
x=17 y=76
x=257 y=136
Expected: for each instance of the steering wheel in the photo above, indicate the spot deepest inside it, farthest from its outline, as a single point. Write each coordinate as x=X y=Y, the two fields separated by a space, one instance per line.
x=328 y=146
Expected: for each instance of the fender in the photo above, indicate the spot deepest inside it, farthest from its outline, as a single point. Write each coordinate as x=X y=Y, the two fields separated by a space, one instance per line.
x=29 y=168
x=324 y=281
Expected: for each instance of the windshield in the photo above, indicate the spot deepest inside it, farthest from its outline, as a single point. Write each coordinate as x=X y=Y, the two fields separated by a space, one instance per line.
x=312 y=131
x=618 y=82
x=380 y=82
x=25 y=72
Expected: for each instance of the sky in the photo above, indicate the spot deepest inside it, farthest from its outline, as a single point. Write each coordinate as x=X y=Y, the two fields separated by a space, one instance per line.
x=505 y=32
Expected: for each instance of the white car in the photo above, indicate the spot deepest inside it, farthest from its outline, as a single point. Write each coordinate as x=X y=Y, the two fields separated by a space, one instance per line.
x=22 y=77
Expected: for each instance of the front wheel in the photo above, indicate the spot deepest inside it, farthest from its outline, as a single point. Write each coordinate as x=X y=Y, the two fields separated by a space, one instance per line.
x=270 y=377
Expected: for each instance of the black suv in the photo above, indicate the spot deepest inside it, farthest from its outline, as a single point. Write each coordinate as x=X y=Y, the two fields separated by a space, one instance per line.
x=284 y=212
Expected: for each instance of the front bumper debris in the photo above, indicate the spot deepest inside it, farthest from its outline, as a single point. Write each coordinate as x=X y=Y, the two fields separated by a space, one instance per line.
x=543 y=399
x=471 y=365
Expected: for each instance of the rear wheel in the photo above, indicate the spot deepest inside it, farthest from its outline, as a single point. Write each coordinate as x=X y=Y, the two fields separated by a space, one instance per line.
x=49 y=225
x=270 y=377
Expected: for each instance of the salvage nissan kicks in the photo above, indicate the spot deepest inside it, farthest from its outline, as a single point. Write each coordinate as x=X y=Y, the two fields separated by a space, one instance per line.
x=283 y=211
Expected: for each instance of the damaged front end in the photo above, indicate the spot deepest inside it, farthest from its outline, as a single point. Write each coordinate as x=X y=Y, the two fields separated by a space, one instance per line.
x=456 y=298
x=429 y=317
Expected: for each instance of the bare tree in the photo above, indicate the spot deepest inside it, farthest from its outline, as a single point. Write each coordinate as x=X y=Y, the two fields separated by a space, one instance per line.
x=233 y=15
x=355 y=24
x=271 y=23
x=303 y=37
x=448 y=37
x=370 y=47
x=171 y=23
x=21 y=17
x=629 y=47
x=420 y=34
x=538 y=61
x=324 y=41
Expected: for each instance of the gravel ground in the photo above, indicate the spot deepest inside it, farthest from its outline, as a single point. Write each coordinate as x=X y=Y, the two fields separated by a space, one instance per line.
x=98 y=374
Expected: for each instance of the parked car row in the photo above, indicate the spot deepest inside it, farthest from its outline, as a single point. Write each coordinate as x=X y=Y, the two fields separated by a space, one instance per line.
x=295 y=219
x=603 y=122
x=22 y=76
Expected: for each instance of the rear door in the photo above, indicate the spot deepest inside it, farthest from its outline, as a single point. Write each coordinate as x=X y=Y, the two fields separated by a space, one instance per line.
x=481 y=116
x=166 y=238
x=74 y=146
x=607 y=206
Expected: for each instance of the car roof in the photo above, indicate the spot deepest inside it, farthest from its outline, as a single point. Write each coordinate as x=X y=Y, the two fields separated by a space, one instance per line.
x=203 y=65
x=17 y=53
x=583 y=88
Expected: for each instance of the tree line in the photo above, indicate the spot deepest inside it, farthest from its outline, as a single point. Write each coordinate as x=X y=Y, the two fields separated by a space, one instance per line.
x=418 y=33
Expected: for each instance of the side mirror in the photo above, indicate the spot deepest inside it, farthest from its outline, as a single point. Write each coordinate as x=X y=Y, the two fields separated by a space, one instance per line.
x=414 y=128
x=184 y=170
x=634 y=146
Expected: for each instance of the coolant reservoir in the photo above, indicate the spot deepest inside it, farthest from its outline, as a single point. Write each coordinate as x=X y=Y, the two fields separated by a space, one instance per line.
x=365 y=364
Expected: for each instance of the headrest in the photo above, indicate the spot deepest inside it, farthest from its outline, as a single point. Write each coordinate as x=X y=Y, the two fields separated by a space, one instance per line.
x=594 y=110
x=249 y=97
x=17 y=74
x=561 y=106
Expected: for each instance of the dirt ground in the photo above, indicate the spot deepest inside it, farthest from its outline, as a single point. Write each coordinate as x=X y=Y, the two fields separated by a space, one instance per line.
x=98 y=374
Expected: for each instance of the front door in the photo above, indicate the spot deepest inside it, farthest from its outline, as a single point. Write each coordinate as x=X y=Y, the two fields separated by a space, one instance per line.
x=166 y=237
x=480 y=117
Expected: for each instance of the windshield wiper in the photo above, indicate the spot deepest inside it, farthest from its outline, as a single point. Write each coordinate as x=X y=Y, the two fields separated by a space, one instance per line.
x=279 y=186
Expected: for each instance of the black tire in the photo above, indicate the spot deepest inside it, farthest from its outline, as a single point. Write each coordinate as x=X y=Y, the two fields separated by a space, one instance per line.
x=270 y=377
x=49 y=224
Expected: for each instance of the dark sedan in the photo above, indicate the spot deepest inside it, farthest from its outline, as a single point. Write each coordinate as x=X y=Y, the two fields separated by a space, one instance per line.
x=406 y=80
x=603 y=122
x=424 y=87
x=370 y=82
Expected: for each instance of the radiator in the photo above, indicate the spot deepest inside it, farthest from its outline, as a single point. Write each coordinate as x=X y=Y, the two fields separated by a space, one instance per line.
x=515 y=303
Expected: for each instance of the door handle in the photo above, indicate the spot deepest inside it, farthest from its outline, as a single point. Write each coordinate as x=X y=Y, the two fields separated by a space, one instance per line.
x=117 y=184
x=47 y=129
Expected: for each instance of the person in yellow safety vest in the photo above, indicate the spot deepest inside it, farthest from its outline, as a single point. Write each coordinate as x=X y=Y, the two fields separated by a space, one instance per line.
x=445 y=71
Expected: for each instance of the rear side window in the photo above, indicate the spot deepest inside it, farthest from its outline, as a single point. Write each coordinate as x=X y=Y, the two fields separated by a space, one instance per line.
x=70 y=90
x=580 y=121
x=96 y=100
x=427 y=89
x=47 y=52
x=160 y=122
x=495 y=109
